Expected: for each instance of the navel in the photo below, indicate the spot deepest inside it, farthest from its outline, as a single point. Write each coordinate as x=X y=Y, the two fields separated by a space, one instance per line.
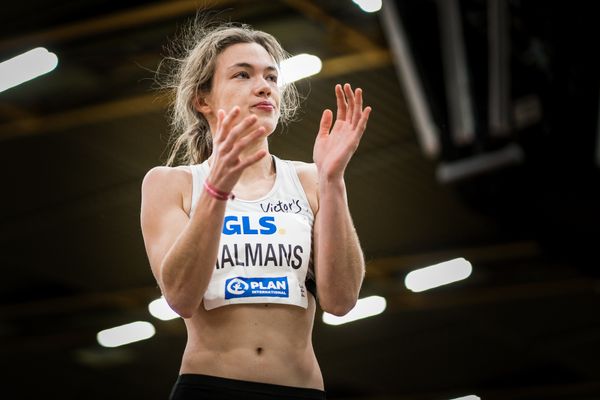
x=259 y=350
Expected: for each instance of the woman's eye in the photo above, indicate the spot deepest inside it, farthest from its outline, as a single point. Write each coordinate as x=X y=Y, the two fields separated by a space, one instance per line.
x=272 y=78
x=242 y=74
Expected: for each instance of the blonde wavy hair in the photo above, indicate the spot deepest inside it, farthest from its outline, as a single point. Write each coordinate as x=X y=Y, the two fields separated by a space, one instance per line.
x=189 y=75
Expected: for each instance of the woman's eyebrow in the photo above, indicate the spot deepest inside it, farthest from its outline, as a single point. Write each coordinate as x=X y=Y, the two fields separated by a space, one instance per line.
x=250 y=66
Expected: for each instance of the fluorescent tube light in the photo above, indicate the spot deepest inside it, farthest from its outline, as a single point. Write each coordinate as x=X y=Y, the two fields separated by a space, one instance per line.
x=125 y=334
x=368 y=5
x=160 y=309
x=25 y=67
x=438 y=275
x=299 y=67
x=364 y=308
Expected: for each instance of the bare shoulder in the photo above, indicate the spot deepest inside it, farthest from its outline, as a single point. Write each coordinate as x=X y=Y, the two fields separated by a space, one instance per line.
x=167 y=180
x=307 y=173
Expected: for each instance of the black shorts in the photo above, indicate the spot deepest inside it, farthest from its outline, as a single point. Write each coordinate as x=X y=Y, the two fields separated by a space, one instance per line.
x=197 y=387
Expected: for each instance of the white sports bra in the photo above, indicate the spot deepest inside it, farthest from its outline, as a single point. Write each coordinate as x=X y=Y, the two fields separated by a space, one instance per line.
x=265 y=251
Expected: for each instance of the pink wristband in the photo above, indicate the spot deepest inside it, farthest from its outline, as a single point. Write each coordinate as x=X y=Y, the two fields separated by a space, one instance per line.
x=216 y=193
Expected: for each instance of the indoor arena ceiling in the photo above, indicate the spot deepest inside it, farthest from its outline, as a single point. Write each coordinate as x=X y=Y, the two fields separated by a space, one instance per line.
x=76 y=143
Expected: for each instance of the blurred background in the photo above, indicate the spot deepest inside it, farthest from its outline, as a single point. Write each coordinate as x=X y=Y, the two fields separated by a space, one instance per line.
x=483 y=144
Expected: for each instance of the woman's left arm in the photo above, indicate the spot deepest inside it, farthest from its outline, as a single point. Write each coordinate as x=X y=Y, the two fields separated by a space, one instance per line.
x=339 y=261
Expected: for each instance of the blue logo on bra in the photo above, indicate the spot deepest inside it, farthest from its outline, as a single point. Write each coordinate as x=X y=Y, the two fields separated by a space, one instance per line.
x=240 y=287
x=234 y=225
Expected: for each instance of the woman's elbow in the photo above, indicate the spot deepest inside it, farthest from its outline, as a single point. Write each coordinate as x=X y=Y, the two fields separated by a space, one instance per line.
x=185 y=309
x=184 y=313
x=338 y=307
x=177 y=299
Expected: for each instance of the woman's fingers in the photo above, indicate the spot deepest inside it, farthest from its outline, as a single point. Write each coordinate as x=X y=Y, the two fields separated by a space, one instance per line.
x=227 y=123
x=326 y=122
x=240 y=138
x=220 y=116
x=341 y=103
x=239 y=130
x=350 y=100
x=362 y=123
x=349 y=104
x=252 y=159
x=358 y=107
x=243 y=142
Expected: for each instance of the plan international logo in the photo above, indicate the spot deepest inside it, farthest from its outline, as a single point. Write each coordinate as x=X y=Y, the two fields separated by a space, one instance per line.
x=256 y=287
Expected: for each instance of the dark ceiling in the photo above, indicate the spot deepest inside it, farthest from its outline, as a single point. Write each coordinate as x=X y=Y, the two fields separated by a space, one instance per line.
x=76 y=143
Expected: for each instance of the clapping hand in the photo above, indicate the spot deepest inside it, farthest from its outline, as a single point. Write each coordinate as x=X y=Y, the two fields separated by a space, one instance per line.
x=232 y=138
x=335 y=145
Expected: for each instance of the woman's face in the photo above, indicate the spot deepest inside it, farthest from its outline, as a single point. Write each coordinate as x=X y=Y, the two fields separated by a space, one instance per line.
x=245 y=76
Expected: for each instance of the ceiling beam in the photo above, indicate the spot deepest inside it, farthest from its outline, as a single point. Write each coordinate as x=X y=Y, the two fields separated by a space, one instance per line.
x=122 y=299
x=97 y=113
x=120 y=20
x=355 y=62
x=171 y=9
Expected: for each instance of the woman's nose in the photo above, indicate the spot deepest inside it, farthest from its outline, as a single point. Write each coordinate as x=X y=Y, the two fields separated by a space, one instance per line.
x=263 y=88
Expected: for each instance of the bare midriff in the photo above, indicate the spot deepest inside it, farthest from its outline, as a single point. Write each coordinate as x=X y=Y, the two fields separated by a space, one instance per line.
x=268 y=343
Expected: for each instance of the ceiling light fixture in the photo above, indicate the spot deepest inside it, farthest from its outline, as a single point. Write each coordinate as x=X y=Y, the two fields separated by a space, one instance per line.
x=437 y=275
x=369 y=6
x=367 y=307
x=25 y=67
x=125 y=334
x=160 y=309
x=299 y=67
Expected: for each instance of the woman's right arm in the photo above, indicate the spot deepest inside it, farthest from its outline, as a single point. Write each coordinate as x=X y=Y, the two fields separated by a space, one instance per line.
x=182 y=250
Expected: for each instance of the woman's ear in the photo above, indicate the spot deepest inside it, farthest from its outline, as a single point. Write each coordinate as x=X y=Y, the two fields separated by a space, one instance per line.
x=201 y=106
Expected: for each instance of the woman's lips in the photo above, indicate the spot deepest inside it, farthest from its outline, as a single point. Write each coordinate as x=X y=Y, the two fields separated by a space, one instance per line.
x=265 y=106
